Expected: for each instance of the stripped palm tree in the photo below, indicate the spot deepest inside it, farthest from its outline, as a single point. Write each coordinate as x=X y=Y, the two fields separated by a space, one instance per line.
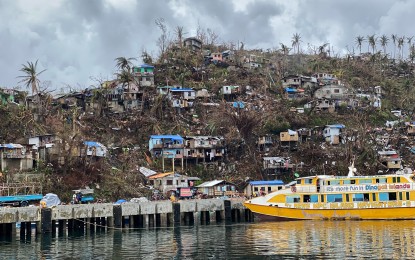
x=371 y=39
x=296 y=39
x=359 y=41
x=384 y=42
x=409 y=42
x=394 y=38
x=31 y=76
x=400 y=45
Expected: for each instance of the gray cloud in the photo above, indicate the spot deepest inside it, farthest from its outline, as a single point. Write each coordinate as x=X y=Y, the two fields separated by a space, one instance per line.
x=75 y=40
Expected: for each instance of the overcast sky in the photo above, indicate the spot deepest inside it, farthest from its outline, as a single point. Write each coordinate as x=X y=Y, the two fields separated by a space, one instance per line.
x=76 y=40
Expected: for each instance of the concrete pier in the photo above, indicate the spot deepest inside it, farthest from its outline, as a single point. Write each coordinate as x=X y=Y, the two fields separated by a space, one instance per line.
x=98 y=217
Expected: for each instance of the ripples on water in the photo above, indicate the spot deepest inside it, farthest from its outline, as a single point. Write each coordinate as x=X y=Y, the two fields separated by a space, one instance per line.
x=266 y=240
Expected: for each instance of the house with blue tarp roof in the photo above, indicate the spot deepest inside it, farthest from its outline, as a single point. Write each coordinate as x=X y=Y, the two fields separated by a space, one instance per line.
x=95 y=149
x=257 y=188
x=332 y=133
x=166 y=147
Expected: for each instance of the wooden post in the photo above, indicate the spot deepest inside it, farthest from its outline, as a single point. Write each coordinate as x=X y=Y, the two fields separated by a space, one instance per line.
x=46 y=220
x=176 y=214
x=228 y=210
x=117 y=214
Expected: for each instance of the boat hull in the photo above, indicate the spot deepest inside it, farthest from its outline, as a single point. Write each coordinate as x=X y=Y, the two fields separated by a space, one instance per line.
x=265 y=212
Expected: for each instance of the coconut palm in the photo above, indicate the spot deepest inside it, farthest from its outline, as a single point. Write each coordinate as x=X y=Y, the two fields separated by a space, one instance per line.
x=409 y=42
x=31 y=76
x=384 y=42
x=394 y=38
x=400 y=45
x=124 y=63
x=296 y=39
x=125 y=77
x=371 y=40
x=359 y=41
x=285 y=49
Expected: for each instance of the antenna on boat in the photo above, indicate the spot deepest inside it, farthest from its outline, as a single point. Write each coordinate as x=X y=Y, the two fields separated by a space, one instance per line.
x=352 y=169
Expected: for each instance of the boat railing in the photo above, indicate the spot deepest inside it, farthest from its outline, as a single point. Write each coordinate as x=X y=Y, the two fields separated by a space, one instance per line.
x=306 y=189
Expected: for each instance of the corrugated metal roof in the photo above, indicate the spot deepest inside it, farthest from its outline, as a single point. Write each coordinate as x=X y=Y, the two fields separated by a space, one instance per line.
x=275 y=182
x=160 y=175
x=210 y=183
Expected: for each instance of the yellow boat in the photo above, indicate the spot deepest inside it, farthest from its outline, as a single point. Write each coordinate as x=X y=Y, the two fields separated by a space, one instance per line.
x=389 y=196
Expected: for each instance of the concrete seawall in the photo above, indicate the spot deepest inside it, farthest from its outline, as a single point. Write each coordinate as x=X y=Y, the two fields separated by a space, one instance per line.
x=89 y=217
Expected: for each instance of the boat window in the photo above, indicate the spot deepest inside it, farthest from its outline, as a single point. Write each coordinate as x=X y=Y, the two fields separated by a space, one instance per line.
x=363 y=181
x=407 y=195
x=357 y=197
x=334 y=198
x=373 y=196
x=400 y=195
x=298 y=181
x=322 y=198
x=366 y=196
x=255 y=188
x=292 y=198
x=387 y=196
x=306 y=198
x=333 y=182
x=347 y=198
x=269 y=189
x=396 y=179
x=313 y=198
x=308 y=181
x=349 y=181
x=381 y=180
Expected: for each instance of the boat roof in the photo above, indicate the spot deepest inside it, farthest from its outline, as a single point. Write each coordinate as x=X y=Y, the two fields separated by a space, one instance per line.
x=356 y=176
x=274 y=182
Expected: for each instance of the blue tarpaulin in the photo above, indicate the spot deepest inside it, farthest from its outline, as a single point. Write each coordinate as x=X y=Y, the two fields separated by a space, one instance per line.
x=290 y=90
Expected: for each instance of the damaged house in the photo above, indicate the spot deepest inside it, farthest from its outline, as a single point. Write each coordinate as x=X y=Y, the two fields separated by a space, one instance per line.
x=43 y=147
x=265 y=143
x=390 y=159
x=333 y=133
x=289 y=140
x=230 y=92
x=182 y=97
x=15 y=157
x=206 y=148
x=167 y=147
x=144 y=75
x=173 y=182
x=276 y=165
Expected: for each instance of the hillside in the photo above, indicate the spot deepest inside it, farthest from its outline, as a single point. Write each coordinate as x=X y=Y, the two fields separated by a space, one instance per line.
x=267 y=111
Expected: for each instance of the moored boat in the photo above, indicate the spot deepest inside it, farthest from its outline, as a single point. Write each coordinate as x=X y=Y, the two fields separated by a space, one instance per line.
x=389 y=196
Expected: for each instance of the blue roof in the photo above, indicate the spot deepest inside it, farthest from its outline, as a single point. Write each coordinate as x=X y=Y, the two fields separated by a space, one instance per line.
x=276 y=182
x=146 y=66
x=173 y=137
x=336 y=126
x=93 y=144
x=181 y=89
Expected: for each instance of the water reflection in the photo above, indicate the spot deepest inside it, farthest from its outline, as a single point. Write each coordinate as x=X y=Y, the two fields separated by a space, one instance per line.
x=288 y=240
